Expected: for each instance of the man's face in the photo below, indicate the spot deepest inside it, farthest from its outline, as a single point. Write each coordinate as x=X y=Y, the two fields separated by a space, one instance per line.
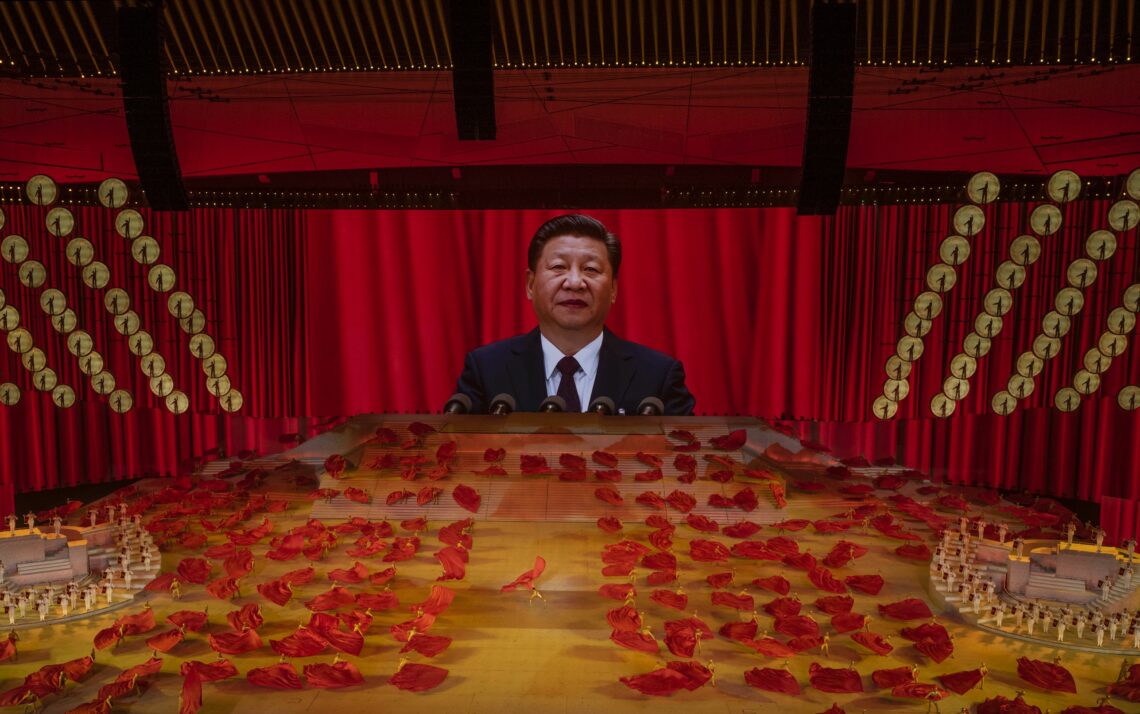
x=572 y=286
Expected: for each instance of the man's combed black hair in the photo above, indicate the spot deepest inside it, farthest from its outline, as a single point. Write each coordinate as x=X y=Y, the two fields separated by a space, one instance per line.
x=574 y=224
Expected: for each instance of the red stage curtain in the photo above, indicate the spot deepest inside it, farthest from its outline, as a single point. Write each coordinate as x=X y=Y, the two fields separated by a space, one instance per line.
x=245 y=271
x=1121 y=518
x=329 y=313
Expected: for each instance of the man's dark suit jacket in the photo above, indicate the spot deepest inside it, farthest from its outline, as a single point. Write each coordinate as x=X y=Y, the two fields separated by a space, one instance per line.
x=627 y=373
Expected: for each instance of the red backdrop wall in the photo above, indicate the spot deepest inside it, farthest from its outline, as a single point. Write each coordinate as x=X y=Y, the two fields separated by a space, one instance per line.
x=325 y=313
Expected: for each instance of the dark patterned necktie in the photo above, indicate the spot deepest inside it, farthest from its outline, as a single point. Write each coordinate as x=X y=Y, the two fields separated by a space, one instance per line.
x=568 y=366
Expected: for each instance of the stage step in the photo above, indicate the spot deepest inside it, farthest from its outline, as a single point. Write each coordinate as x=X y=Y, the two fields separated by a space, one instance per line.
x=45 y=567
x=1048 y=580
x=1050 y=587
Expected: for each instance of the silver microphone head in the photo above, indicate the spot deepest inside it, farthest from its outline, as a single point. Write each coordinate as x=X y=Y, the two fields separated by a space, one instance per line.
x=603 y=405
x=553 y=403
x=459 y=403
x=651 y=406
x=502 y=405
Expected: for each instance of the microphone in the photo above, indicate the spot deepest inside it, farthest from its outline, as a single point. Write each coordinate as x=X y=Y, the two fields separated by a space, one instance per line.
x=502 y=405
x=651 y=406
x=603 y=406
x=459 y=403
x=553 y=403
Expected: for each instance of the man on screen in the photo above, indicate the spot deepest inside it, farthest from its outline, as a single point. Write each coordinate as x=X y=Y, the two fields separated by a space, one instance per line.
x=571 y=281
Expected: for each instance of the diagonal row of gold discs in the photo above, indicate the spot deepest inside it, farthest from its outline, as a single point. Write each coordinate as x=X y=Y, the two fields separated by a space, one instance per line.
x=982 y=189
x=145 y=249
x=21 y=341
x=1129 y=396
x=1080 y=273
x=80 y=252
x=940 y=279
x=1044 y=220
x=32 y=274
x=1123 y=217
x=96 y=275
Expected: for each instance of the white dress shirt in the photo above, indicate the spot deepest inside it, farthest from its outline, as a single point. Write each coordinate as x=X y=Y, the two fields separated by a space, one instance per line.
x=587 y=357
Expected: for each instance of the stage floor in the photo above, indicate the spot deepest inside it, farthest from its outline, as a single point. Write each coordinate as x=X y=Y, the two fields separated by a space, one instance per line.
x=513 y=654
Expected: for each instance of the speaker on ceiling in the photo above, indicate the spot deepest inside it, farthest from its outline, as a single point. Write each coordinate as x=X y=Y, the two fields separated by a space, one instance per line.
x=831 y=88
x=142 y=77
x=473 y=79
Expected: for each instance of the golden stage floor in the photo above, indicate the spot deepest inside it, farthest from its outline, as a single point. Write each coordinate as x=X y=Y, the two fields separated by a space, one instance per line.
x=510 y=654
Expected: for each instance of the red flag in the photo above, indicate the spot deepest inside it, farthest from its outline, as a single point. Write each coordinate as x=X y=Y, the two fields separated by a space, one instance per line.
x=300 y=576
x=348 y=642
x=1052 y=677
x=604 y=458
x=108 y=637
x=729 y=442
x=386 y=600
x=454 y=562
x=772 y=680
x=737 y=602
x=709 y=551
x=891 y=678
x=870 y=584
x=235 y=642
x=908 y=609
x=826 y=679
x=302 y=643
x=609 y=524
x=165 y=641
x=418 y=677
x=609 y=495
x=677 y=601
x=624 y=618
x=277 y=591
x=775 y=583
x=783 y=607
x=7 y=648
x=873 y=642
x=742 y=529
x=673 y=678
x=332 y=676
x=617 y=591
x=357 y=573
x=637 y=641
x=426 y=645
x=194 y=570
x=248 y=617
x=160 y=584
x=467 y=497
x=277 y=676
x=702 y=523
x=527 y=579
x=223 y=588
x=835 y=604
x=437 y=601
x=331 y=600
x=961 y=682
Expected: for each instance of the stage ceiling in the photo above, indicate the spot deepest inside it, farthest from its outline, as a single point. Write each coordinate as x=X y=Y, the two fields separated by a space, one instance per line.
x=1014 y=120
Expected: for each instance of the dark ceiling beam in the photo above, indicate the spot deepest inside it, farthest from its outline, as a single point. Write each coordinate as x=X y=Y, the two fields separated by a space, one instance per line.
x=575 y=187
x=143 y=79
x=473 y=77
x=831 y=89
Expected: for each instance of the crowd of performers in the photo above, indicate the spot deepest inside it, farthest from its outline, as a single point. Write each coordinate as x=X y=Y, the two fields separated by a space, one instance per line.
x=962 y=580
x=135 y=561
